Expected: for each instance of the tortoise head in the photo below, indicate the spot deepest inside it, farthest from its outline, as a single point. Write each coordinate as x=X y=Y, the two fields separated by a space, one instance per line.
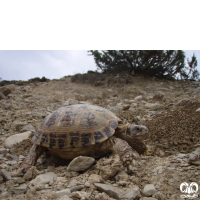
x=138 y=132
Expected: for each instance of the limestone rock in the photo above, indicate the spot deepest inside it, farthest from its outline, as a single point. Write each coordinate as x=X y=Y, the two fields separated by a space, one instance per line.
x=121 y=175
x=20 y=189
x=30 y=174
x=80 y=163
x=61 y=193
x=19 y=125
x=94 y=178
x=72 y=183
x=149 y=190
x=28 y=127
x=198 y=110
x=49 y=177
x=2 y=96
x=77 y=188
x=6 y=176
x=194 y=158
x=17 y=138
x=153 y=106
x=126 y=106
x=117 y=193
x=80 y=195
x=138 y=98
x=7 y=91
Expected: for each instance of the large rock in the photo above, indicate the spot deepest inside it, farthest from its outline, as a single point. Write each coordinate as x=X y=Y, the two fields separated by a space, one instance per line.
x=117 y=193
x=15 y=139
x=49 y=177
x=149 y=190
x=80 y=163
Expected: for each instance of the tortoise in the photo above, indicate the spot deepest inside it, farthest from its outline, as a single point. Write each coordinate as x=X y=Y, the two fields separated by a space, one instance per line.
x=86 y=130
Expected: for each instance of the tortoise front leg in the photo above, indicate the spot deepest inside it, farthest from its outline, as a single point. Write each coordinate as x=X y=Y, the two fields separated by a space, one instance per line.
x=126 y=153
x=31 y=159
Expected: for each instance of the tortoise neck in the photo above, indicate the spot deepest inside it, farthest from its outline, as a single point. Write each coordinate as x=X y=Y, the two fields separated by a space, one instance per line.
x=121 y=130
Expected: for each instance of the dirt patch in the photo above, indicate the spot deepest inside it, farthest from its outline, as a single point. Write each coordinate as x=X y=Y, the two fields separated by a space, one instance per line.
x=176 y=130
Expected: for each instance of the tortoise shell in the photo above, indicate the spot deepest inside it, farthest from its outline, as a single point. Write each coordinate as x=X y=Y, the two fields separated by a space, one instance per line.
x=76 y=126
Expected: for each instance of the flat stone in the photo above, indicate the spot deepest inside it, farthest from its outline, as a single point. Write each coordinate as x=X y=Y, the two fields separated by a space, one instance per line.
x=117 y=193
x=19 y=125
x=6 y=176
x=2 y=96
x=148 y=198
x=149 y=190
x=153 y=106
x=28 y=127
x=77 y=188
x=80 y=163
x=15 y=139
x=61 y=193
x=72 y=183
x=94 y=178
x=49 y=177
x=20 y=189
x=138 y=98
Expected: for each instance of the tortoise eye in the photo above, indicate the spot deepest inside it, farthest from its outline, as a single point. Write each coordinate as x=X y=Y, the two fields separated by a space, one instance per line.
x=137 y=129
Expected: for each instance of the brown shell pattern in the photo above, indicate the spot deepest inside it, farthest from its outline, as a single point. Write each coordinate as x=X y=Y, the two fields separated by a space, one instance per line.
x=76 y=126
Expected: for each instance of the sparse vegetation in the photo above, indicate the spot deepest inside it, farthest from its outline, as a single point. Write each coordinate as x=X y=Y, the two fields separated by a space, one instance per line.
x=168 y=64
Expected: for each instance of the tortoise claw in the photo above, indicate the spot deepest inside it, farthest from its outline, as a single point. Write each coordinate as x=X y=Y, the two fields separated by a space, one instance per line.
x=146 y=153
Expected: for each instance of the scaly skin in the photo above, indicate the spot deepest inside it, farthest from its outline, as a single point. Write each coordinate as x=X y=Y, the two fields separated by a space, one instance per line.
x=128 y=155
x=31 y=159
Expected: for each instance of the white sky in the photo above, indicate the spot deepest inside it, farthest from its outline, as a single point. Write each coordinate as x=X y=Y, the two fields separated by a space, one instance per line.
x=23 y=65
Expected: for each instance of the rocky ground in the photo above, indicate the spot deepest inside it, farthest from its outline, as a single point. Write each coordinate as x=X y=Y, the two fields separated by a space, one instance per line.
x=170 y=109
